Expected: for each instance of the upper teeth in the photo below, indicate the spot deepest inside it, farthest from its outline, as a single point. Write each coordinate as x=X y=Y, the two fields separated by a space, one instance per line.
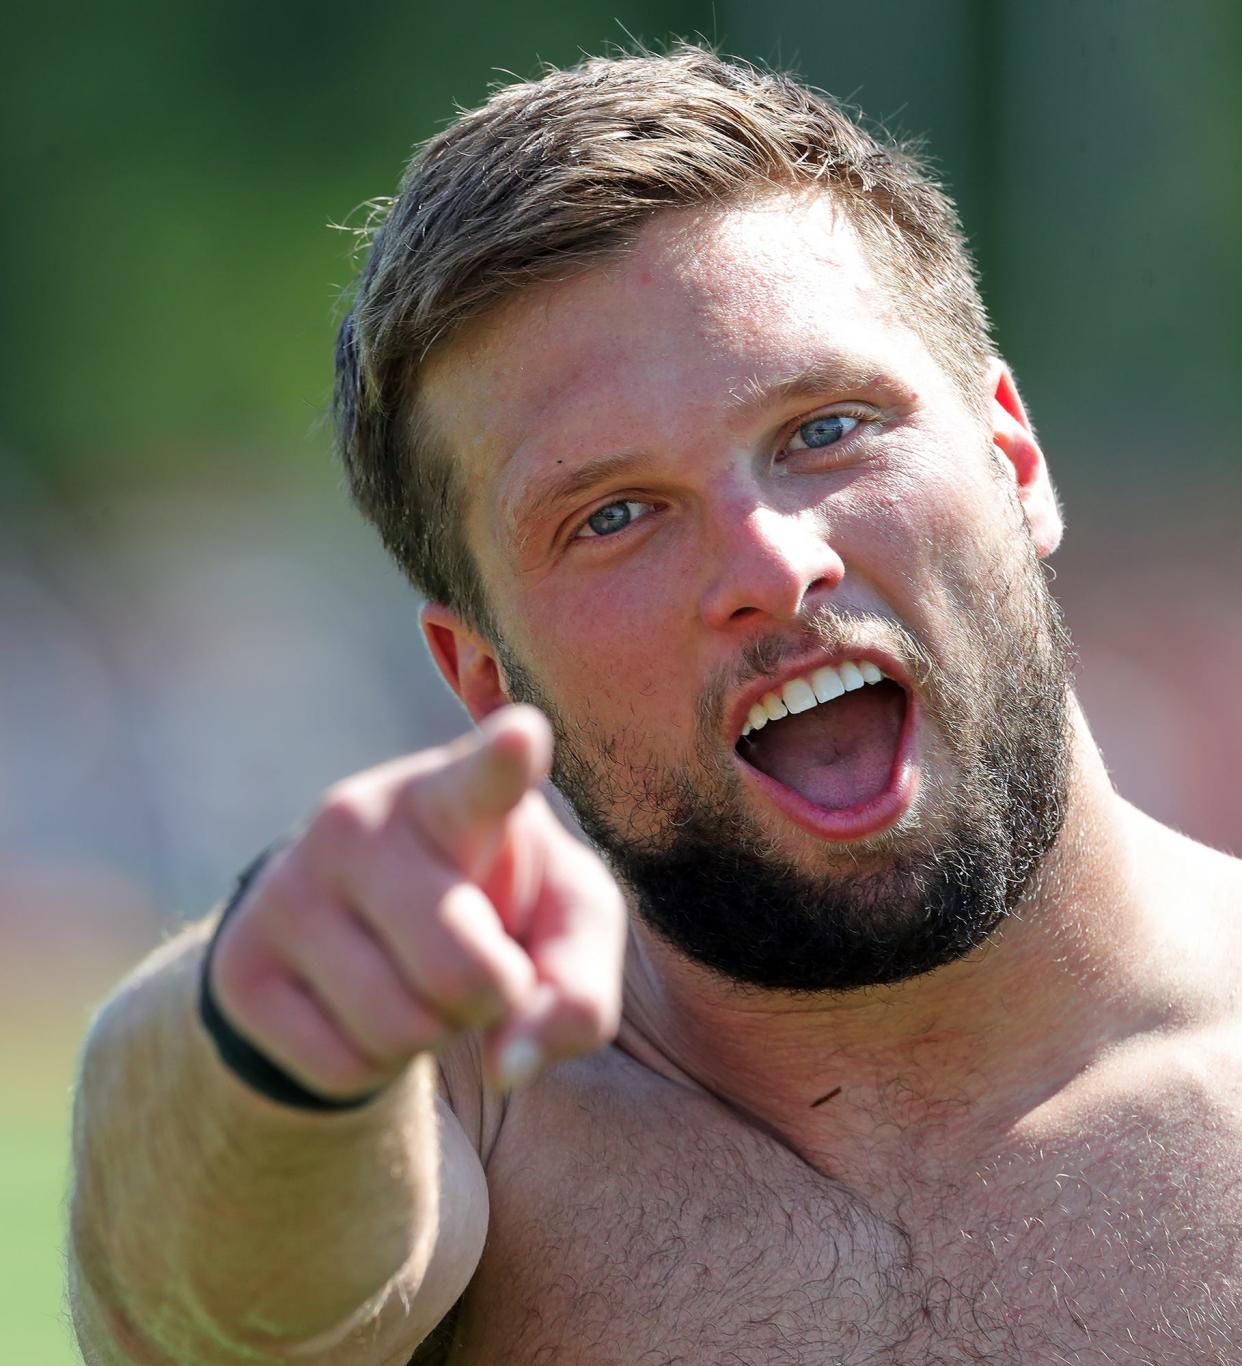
x=803 y=693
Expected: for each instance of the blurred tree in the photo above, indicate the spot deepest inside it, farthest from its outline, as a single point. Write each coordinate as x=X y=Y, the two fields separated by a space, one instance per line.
x=169 y=279
x=170 y=171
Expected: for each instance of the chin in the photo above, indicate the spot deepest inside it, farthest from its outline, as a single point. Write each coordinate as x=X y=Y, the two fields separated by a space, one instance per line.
x=758 y=922
x=765 y=902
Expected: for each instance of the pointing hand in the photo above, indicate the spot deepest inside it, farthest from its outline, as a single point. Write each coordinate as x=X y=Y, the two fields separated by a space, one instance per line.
x=434 y=894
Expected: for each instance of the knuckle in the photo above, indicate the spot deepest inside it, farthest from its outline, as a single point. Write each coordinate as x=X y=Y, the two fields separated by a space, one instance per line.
x=278 y=905
x=282 y=887
x=338 y=821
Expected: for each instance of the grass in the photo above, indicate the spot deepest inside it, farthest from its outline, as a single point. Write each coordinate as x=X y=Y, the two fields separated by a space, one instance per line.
x=34 y=1162
x=60 y=961
x=45 y=1003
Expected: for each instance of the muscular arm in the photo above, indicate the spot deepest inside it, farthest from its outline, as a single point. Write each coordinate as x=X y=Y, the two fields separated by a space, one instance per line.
x=429 y=902
x=211 y=1225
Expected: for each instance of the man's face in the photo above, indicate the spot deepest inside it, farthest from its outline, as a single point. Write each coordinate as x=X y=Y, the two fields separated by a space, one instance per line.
x=705 y=482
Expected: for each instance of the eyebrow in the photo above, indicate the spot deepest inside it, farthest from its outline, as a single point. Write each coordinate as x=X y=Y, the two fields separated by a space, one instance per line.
x=560 y=485
x=836 y=372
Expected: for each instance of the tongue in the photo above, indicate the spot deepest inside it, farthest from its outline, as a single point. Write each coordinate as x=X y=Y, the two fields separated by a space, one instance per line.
x=838 y=754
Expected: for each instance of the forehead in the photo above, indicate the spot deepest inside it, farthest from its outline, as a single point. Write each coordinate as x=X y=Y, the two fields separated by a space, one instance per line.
x=703 y=308
x=727 y=273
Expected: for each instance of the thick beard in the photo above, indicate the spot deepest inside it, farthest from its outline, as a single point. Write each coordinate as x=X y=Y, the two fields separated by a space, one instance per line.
x=714 y=890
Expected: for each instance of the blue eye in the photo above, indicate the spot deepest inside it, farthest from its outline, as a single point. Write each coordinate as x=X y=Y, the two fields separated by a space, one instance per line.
x=824 y=431
x=612 y=517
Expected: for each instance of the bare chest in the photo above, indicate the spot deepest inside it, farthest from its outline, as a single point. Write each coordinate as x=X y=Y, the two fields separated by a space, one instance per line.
x=644 y=1227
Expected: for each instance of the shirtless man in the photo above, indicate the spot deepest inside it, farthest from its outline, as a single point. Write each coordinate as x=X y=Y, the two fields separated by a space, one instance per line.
x=673 y=392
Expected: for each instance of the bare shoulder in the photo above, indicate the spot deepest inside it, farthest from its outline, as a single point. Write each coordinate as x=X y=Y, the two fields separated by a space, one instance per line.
x=1197 y=892
x=1186 y=1070
x=1213 y=879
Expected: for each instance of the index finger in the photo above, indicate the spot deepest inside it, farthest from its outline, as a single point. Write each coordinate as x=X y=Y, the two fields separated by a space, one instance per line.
x=460 y=805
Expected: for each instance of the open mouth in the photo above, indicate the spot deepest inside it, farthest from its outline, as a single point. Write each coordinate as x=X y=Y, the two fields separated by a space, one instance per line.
x=833 y=746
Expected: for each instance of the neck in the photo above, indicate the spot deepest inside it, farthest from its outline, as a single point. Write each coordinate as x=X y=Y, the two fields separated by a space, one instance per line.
x=858 y=1078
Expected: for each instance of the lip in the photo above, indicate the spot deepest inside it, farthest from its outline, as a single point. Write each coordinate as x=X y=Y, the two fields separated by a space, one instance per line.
x=877 y=813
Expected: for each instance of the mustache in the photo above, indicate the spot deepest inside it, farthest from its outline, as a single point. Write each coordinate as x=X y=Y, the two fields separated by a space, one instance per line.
x=834 y=632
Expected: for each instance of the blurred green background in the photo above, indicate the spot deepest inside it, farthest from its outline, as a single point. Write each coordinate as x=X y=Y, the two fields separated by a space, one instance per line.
x=197 y=633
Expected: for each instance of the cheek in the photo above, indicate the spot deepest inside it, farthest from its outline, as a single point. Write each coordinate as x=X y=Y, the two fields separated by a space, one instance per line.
x=611 y=647
x=896 y=524
x=931 y=535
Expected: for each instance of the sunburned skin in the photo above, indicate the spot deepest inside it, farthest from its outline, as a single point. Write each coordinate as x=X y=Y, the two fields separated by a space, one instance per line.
x=633 y=1221
x=1029 y=1155
x=640 y=1216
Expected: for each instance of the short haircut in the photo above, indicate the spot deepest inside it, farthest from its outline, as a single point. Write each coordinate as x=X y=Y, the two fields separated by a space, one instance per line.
x=549 y=177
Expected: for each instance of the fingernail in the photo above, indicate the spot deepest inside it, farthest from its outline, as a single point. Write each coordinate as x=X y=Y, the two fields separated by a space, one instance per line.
x=518 y=1062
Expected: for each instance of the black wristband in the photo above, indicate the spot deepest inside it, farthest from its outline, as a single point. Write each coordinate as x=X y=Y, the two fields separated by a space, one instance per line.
x=240 y=1056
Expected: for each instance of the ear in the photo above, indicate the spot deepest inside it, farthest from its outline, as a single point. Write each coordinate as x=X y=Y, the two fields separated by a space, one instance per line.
x=1014 y=438
x=465 y=660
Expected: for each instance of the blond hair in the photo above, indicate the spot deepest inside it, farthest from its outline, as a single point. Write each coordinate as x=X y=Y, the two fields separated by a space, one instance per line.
x=551 y=176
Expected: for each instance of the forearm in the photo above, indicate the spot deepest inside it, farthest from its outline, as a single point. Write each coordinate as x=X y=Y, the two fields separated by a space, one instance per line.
x=216 y=1224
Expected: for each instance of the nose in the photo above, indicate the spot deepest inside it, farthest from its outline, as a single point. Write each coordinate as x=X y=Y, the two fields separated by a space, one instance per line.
x=768 y=564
